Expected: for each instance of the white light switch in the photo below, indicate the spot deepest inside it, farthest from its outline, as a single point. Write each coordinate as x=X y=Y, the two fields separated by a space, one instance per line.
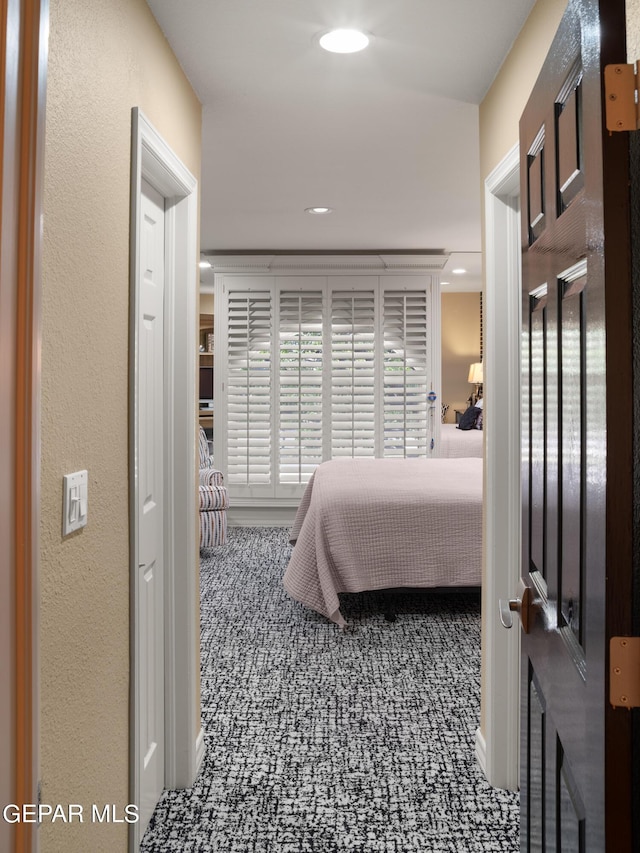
x=74 y=504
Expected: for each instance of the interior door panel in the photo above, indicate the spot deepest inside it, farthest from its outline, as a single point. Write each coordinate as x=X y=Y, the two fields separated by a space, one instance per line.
x=577 y=487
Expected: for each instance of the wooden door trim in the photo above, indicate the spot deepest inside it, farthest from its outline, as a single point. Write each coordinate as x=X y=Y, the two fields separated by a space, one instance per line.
x=621 y=427
x=620 y=497
x=24 y=29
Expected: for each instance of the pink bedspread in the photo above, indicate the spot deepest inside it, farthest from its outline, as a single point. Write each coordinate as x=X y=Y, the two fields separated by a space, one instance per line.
x=366 y=524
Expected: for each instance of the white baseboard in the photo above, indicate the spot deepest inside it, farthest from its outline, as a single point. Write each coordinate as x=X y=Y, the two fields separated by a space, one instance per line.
x=252 y=516
x=200 y=750
x=481 y=751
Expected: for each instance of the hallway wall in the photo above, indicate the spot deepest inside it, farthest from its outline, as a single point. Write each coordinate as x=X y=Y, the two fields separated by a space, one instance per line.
x=633 y=30
x=106 y=56
x=503 y=104
x=460 y=333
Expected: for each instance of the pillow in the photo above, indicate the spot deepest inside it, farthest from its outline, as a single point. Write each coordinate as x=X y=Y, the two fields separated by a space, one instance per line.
x=445 y=407
x=468 y=419
x=479 y=420
x=479 y=403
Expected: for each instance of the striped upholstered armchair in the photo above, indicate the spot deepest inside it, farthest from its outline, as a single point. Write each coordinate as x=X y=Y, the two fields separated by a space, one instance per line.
x=213 y=500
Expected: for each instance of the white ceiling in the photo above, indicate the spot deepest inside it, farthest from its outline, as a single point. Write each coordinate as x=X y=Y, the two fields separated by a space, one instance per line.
x=387 y=137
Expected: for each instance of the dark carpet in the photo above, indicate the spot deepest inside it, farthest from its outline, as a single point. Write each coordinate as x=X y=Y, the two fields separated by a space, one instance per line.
x=323 y=741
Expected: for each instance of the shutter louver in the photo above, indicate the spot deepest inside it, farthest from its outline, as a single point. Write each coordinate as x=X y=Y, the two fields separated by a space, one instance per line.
x=405 y=374
x=249 y=384
x=353 y=373
x=300 y=385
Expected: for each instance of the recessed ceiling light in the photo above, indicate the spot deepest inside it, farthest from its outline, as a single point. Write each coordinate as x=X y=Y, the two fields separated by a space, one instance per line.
x=318 y=210
x=459 y=271
x=344 y=41
x=444 y=282
x=204 y=265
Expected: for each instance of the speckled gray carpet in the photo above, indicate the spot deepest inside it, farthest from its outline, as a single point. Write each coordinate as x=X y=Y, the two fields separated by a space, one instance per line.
x=319 y=741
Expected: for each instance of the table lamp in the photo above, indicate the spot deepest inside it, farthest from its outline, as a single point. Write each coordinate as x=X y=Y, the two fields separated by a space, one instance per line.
x=476 y=378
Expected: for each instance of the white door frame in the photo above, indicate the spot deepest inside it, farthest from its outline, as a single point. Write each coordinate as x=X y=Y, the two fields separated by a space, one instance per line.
x=154 y=161
x=497 y=742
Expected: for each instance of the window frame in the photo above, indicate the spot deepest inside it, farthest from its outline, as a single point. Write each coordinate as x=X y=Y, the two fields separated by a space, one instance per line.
x=376 y=280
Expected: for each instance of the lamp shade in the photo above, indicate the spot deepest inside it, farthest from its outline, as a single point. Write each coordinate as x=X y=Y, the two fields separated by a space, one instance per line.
x=476 y=373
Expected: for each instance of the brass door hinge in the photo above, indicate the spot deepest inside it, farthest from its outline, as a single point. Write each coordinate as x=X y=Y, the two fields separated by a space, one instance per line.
x=624 y=672
x=620 y=97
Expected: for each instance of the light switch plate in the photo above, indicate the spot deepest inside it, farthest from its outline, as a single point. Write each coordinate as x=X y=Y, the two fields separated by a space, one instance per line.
x=74 y=503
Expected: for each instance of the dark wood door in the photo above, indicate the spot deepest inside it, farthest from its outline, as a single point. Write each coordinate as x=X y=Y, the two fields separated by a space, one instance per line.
x=577 y=443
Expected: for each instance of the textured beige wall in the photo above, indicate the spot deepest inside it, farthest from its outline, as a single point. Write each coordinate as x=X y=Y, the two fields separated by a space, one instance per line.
x=460 y=323
x=503 y=104
x=633 y=30
x=206 y=303
x=106 y=56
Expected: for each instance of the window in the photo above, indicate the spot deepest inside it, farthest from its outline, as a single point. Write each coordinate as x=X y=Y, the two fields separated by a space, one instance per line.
x=319 y=367
x=300 y=367
x=407 y=431
x=353 y=373
x=249 y=430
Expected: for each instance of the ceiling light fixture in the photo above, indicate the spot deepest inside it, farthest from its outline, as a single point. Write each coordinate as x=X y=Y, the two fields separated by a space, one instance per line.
x=444 y=282
x=204 y=265
x=344 y=41
x=459 y=271
x=318 y=210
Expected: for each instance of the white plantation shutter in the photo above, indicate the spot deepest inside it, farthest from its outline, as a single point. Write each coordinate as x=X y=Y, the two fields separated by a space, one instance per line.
x=300 y=385
x=405 y=374
x=353 y=374
x=249 y=420
x=311 y=368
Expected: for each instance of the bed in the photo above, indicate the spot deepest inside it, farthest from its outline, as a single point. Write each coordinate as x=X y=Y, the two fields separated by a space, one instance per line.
x=372 y=524
x=460 y=443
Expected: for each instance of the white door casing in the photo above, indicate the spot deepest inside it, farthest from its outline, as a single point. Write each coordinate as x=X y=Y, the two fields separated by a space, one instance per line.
x=497 y=742
x=154 y=162
x=150 y=500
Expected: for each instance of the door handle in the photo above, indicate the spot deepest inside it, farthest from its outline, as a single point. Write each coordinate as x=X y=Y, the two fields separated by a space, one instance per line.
x=524 y=606
x=507 y=609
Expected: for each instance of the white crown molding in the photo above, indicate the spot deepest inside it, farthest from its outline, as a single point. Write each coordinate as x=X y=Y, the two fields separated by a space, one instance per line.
x=240 y=263
x=421 y=263
x=335 y=263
